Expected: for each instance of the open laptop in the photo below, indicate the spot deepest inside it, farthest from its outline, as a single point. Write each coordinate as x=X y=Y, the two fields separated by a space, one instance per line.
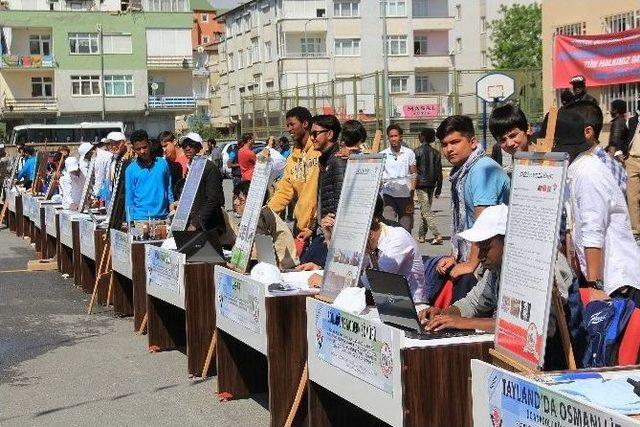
x=199 y=246
x=393 y=299
x=265 y=251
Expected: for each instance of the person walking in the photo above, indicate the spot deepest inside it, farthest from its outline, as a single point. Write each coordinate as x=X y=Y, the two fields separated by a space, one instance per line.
x=619 y=134
x=429 y=184
x=632 y=165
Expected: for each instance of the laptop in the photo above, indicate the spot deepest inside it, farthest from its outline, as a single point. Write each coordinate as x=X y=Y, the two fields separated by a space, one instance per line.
x=264 y=249
x=199 y=246
x=392 y=295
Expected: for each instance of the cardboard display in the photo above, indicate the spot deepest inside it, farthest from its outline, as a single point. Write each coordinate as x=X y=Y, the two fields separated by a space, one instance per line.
x=185 y=204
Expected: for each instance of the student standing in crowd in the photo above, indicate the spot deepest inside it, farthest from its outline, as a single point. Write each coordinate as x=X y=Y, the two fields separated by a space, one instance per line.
x=398 y=179
x=477 y=181
x=593 y=121
x=632 y=164
x=618 y=134
x=206 y=211
x=71 y=184
x=5 y=164
x=232 y=163
x=100 y=167
x=579 y=86
x=284 y=147
x=301 y=173
x=510 y=128
x=173 y=154
x=246 y=157
x=429 y=184
x=27 y=173
x=148 y=190
x=116 y=144
x=598 y=219
x=216 y=154
x=84 y=157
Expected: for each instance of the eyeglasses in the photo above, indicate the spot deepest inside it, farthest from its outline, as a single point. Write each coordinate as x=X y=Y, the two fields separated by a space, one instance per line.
x=315 y=133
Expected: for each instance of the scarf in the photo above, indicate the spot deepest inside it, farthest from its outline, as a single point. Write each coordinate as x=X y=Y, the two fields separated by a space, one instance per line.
x=458 y=178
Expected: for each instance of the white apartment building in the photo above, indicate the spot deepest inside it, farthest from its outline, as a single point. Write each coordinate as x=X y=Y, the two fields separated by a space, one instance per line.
x=273 y=45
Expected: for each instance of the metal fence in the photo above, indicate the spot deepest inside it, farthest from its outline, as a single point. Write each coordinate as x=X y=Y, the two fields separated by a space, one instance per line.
x=417 y=100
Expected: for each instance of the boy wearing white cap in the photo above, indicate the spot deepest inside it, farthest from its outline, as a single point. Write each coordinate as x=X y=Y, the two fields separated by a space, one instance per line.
x=71 y=184
x=101 y=166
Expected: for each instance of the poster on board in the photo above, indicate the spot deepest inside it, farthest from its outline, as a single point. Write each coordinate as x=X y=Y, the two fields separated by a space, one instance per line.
x=241 y=252
x=530 y=250
x=88 y=185
x=183 y=212
x=345 y=255
x=115 y=209
x=165 y=274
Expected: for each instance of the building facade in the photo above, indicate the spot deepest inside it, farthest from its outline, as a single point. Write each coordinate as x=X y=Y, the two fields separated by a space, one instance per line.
x=281 y=45
x=69 y=61
x=581 y=17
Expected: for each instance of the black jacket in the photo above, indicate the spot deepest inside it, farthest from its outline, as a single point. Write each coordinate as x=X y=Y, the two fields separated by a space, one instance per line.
x=206 y=212
x=633 y=128
x=429 y=166
x=332 y=170
x=619 y=134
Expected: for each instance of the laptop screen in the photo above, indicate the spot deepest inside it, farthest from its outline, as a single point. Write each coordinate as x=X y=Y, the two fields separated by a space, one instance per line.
x=393 y=299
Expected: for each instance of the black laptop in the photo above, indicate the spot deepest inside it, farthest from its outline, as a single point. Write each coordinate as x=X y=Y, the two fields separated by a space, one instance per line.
x=396 y=308
x=199 y=246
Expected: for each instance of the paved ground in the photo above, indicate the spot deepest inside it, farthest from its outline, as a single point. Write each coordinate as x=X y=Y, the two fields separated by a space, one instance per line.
x=59 y=366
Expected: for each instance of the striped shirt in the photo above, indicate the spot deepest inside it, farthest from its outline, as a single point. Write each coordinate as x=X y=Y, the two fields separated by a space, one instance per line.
x=616 y=169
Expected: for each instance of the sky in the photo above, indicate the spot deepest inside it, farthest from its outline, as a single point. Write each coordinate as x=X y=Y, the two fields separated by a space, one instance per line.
x=226 y=4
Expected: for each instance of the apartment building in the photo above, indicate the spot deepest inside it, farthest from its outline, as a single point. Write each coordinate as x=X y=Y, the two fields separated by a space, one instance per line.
x=581 y=17
x=279 y=45
x=66 y=61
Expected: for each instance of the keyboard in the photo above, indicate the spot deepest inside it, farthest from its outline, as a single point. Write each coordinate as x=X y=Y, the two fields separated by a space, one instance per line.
x=444 y=333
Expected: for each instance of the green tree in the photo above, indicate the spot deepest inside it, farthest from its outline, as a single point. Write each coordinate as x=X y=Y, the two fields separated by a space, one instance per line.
x=517 y=37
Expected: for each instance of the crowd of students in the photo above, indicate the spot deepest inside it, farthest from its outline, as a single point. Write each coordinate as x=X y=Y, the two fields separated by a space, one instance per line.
x=598 y=249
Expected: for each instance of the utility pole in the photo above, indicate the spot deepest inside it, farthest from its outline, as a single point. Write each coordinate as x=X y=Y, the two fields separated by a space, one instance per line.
x=102 y=85
x=385 y=70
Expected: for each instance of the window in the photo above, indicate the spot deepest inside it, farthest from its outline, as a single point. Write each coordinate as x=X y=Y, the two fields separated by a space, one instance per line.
x=420 y=45
x=39 y=44
x=237 y=26
x=347 y=47
x=346 y=9
x=459 y=44
x=41 y=86
x=311 y=46
x=165 y=5
x=246 y=22
x=266 y=10
x=396 y=45
x=396 y=8
x=483 y=59
x=205 y=39
x=227 y=31
x=204 y=17
x=269 y=85
x=230 y=63
x=160 y=87
x=118 y=85
x=247 y=57
x=232 y=95
x=398 y=84
x=267 y=51
x=458 y=12
x=483 y=24
x=83 y=43
x=116 y=44
x=423 y=85
x=577 y=29
x=621 y=22
x=255 y=50
x=240 y=59
x=85 y=85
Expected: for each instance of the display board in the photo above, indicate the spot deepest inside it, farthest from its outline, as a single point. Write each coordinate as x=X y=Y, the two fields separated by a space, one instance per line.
x=345 y=255
x=87 y=238
x=66 y=233
x=185 y=204
x=88 y=185
x=50 y=212
x=115 y=209
x=241 y=252
x=121 y=252
x=165 y=274
x=530 y=250
x=42 y=158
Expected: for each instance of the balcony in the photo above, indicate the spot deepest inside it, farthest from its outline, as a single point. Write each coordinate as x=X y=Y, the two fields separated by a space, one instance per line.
x=169 y=62
x=432 y=23
x=29 y=105
x=27 y=62
x=432 y=61
x=304 y=55
x=172 y=103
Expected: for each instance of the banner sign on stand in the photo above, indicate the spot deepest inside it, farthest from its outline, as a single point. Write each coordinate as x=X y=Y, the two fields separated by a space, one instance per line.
x=530 y=250
x=121 y=252
x=238 y=301
x=185 y=204
x=12 y=199
x=165 y=274
x=115 y=214
x=345 y=255
x=50 y=219
x=241 y=252
x=87 y=238
x=88 y=185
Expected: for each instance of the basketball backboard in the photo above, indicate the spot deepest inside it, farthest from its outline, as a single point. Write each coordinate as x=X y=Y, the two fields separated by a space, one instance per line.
x=495 y=86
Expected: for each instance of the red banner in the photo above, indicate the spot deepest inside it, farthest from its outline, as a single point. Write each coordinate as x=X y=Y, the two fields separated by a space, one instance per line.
x=603 y=59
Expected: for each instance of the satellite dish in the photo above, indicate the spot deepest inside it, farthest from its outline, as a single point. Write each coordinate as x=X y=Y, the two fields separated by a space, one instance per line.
x=154 y=86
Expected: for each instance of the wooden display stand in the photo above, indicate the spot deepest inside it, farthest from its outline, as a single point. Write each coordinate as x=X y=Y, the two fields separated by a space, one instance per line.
x=170 y=327
x=19 y=216
x=64 y=250
x=12 y=212
x=89 y=266
x=77 y=256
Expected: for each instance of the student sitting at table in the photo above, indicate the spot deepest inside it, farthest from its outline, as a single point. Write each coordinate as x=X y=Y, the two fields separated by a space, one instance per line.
x=269 y=224
x=71 y=184
x=147 y=182
x=478 y=309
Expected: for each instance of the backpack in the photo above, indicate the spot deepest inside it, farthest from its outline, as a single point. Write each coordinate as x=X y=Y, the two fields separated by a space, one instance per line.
x=605 y=321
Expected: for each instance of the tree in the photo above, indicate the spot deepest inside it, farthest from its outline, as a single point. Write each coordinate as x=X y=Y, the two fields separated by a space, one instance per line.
x=517 y=37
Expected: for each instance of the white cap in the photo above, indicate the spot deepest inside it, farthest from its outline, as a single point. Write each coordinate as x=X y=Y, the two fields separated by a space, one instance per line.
x=192 y=136
x=491 y=222
x=83 y=149
x=116 y=136
x=71 y=164
x=266 y=273
x=1 y=146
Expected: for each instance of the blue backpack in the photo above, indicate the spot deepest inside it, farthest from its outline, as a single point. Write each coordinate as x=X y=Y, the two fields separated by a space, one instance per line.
x=605 y=321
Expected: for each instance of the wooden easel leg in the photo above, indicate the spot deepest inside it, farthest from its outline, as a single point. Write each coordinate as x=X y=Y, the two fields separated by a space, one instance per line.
x=561 y=321
x=143 y=324
x=110 y=289
x=302 y=386
x=210 y=353
x=4 y=210
x=101 y=271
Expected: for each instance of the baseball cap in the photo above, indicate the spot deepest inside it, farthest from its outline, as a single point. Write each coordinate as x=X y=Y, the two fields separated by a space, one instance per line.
x=491 y=222
x=116 y=136
x=71 y=164
x=577 y=80
x=83 y=149
x=192 y=136
x=96 y=142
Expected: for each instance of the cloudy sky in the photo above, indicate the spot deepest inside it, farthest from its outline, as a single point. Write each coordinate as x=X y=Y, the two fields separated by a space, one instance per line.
x=226 y=4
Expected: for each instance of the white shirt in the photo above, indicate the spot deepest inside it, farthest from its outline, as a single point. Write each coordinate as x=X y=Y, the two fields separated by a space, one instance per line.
x=101 y=168
x=398 y=253
x=71 y=187
x=396 y=165
x=601 y=220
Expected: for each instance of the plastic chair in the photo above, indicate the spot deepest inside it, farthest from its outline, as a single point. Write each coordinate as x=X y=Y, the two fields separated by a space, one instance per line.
x=630 y=343
x=444 y=297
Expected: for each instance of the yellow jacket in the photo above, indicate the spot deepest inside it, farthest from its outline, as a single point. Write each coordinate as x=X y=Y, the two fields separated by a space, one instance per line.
x=300 y=180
